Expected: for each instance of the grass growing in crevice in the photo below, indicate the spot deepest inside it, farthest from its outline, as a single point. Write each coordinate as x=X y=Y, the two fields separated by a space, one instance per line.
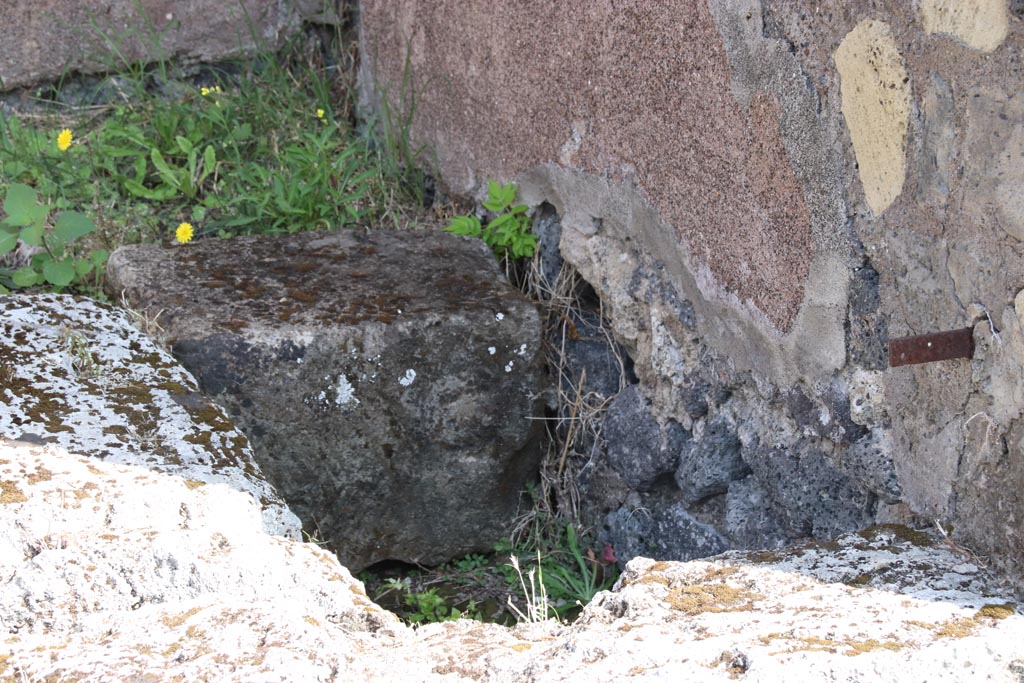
x=535 y=577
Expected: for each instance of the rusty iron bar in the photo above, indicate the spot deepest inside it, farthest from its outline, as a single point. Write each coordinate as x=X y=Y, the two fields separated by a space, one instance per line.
x=928 y=348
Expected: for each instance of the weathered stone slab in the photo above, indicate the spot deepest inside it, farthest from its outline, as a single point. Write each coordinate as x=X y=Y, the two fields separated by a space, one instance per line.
x=47 y=39
x=135 y=574
x=386 y=380
x=77 y=374
x=114 y=574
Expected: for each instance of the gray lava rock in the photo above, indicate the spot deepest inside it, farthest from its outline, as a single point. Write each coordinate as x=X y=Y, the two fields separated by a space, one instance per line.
x=751 y=520
x=812 y=495
x=708 y=464
x=668 y=534
x=547 y=226
x=60 y=37
x=829 y=419
x=587 y=347
x=635 y=445
x=386 y=380
x=869 y=463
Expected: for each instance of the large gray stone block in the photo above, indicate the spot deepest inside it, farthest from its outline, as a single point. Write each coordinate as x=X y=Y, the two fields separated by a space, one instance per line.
x=47 y=39
x=670 y=533
x=386 y=380
x=813 y=497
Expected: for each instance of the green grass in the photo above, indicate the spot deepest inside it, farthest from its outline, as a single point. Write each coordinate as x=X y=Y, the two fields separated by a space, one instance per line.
x=266 y=146
x=556 y=572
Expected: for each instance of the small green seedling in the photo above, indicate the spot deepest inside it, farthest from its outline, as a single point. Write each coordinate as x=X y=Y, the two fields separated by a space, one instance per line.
x=508 y=233
x=55 y=265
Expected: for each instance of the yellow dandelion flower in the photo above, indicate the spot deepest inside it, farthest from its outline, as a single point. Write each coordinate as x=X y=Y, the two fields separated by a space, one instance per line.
x=319 y=113
x=64 y=140
x=184 y=233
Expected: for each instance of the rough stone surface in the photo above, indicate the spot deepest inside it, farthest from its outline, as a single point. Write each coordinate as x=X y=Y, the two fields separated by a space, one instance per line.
x=635 y=445
x=114 y=574
x=996 y=171
x=981 y=24
x=703 y=158
x=76 y=373
x=751 y=519
x=386 y=380
x=671 y=533
x=51 y=38
x=815 y=497
x=707 y=465
x=876 y=106
x=589 y=351
x=644 y=120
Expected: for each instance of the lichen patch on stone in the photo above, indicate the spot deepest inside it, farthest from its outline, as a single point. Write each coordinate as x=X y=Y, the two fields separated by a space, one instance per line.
x=130 y=404
x=979 y=24
x=876 y=107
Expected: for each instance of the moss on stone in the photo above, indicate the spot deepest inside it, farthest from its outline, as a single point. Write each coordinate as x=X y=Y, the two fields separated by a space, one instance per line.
x=719 y=597
x=996 y=610
x=10 y=493
x=900 y=532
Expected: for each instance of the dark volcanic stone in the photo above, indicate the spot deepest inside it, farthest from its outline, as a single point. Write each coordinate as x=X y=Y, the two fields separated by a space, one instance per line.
x=668 y=534
x=813 y=497
x=751 y=519
x=707 y=464
x=635 y=445
x=386 y=379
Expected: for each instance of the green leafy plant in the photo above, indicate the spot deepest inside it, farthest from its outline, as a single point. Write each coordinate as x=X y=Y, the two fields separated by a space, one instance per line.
x=55 y=264
x=429 y=607
x=508 y=231
x=576 y=578
x=562 y=571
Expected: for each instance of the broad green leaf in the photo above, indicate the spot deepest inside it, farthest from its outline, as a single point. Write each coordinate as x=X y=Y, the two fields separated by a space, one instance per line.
x=166 y=173
x=4 y=290
x=464 y=225
x=25 y=277
x=242 y=133
x=71 y=225
x=32 y=234
x=140 y=169
x=209 y=162
x=99 y=257
x=83 y=267
x=500 y=221
x=59 y=273
x=508 y=194
x=8 y=238
x=21 y=205
x=162 y=193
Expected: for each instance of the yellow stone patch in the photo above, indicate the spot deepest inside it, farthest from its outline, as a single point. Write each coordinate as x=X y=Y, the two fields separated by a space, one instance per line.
x=980 y=24
x=10 y=493
x=876 y=107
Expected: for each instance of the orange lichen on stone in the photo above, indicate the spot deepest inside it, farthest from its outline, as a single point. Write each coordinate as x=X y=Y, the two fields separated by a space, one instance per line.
x=703 y=598
x=10 y=493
